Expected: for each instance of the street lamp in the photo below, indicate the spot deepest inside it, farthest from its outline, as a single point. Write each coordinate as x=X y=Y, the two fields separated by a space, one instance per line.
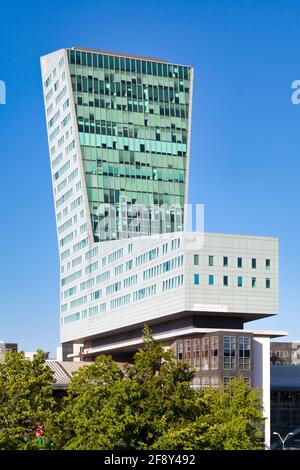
x=283 y=440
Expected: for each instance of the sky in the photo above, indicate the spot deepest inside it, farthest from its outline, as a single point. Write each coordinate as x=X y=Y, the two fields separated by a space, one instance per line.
x=245 y=142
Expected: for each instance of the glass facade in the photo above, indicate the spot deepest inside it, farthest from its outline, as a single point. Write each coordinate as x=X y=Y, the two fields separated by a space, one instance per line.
x=132 y=117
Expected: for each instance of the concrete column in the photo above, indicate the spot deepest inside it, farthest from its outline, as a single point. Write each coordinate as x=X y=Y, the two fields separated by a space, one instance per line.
x=261 y=375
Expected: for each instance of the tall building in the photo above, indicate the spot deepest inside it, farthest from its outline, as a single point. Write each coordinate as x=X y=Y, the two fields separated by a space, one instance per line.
x=119 y=139
x=131 y=118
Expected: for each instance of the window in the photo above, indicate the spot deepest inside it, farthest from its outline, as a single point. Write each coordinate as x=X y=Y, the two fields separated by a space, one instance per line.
x=214 y=352
x=253 y=282
x=214 y=381
x=240 y=281
x=253 y=263
x=204 y=353
x=225 y=261
x=196 y=382
x=268 y=283
x=244 y=353
x=205 y=381
x=268 y=263
x=239 y=262
x=196 y=279
x=196 y=353
x=229 y=352
x=227 y=380
x=247 y=381
x=196 y=260
x=179 y=350
x=211 y=279
x=210 y=261
x=188 y=351
x=225 y=280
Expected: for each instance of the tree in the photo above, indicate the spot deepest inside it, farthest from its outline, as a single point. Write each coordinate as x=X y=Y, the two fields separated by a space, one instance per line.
x=232 y=420
x=26 y=399
x=151 y=405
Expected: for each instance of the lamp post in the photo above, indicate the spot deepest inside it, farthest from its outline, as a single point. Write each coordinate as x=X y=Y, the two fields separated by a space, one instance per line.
x=283 y=440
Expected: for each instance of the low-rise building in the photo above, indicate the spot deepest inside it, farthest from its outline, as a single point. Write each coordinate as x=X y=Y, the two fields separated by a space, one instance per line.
x=285 y=353
x=285 y=404
x=6 y=347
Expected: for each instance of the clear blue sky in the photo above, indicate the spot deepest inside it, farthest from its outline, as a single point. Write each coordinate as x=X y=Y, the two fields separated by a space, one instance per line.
x=245 y=164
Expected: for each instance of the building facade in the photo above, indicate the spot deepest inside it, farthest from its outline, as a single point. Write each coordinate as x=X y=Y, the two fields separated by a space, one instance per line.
x=119 y=139
x=285 y=404
x=285 y=353
x=7 y=347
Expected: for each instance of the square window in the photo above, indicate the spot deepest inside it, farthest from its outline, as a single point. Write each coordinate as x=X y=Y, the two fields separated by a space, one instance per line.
x=211 y=279
x=196 y=260
x=253 y=282
x=210 y=261
x=225 y=280
x=239 y=281
x=239 y=262
x=225 y=261
x=196 y=279
x=253 y=263
x=268 y=283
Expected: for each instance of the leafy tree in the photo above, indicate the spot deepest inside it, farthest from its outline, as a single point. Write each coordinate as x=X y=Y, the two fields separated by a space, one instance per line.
x=151 y=405
x=26 y=399
x=81 y=423
x=232 y=421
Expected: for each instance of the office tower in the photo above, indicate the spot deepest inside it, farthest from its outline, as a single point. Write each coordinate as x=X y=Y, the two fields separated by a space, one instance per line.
x=119 y=132
x=132 y=117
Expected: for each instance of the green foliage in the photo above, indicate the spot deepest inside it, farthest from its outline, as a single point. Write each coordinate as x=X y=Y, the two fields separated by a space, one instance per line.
x=26 y=400
x=151 y=405
x=230 y=421
x=147 y=405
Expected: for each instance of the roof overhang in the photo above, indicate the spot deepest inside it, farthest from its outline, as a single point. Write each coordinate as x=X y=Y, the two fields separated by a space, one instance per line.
x=133 y=344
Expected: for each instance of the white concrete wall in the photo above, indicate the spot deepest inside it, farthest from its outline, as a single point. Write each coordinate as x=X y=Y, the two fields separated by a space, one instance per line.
x=261 y=379
x=188 y=297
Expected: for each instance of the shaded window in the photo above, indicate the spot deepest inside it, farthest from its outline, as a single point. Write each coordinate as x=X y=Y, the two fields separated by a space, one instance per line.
x=240 y=262
x=268 y=283
x=225 y=280
x=268 y=263
x=179 y=350
x=229 y=352
x=244 y=353
x=239 y=281
x=227 y=380
x=253 y=263
x=225 y=261
x=211 y=279
x=196 y=279
x=210 y=261
x=196 y=260
x=247 y=381
x=253 y=282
